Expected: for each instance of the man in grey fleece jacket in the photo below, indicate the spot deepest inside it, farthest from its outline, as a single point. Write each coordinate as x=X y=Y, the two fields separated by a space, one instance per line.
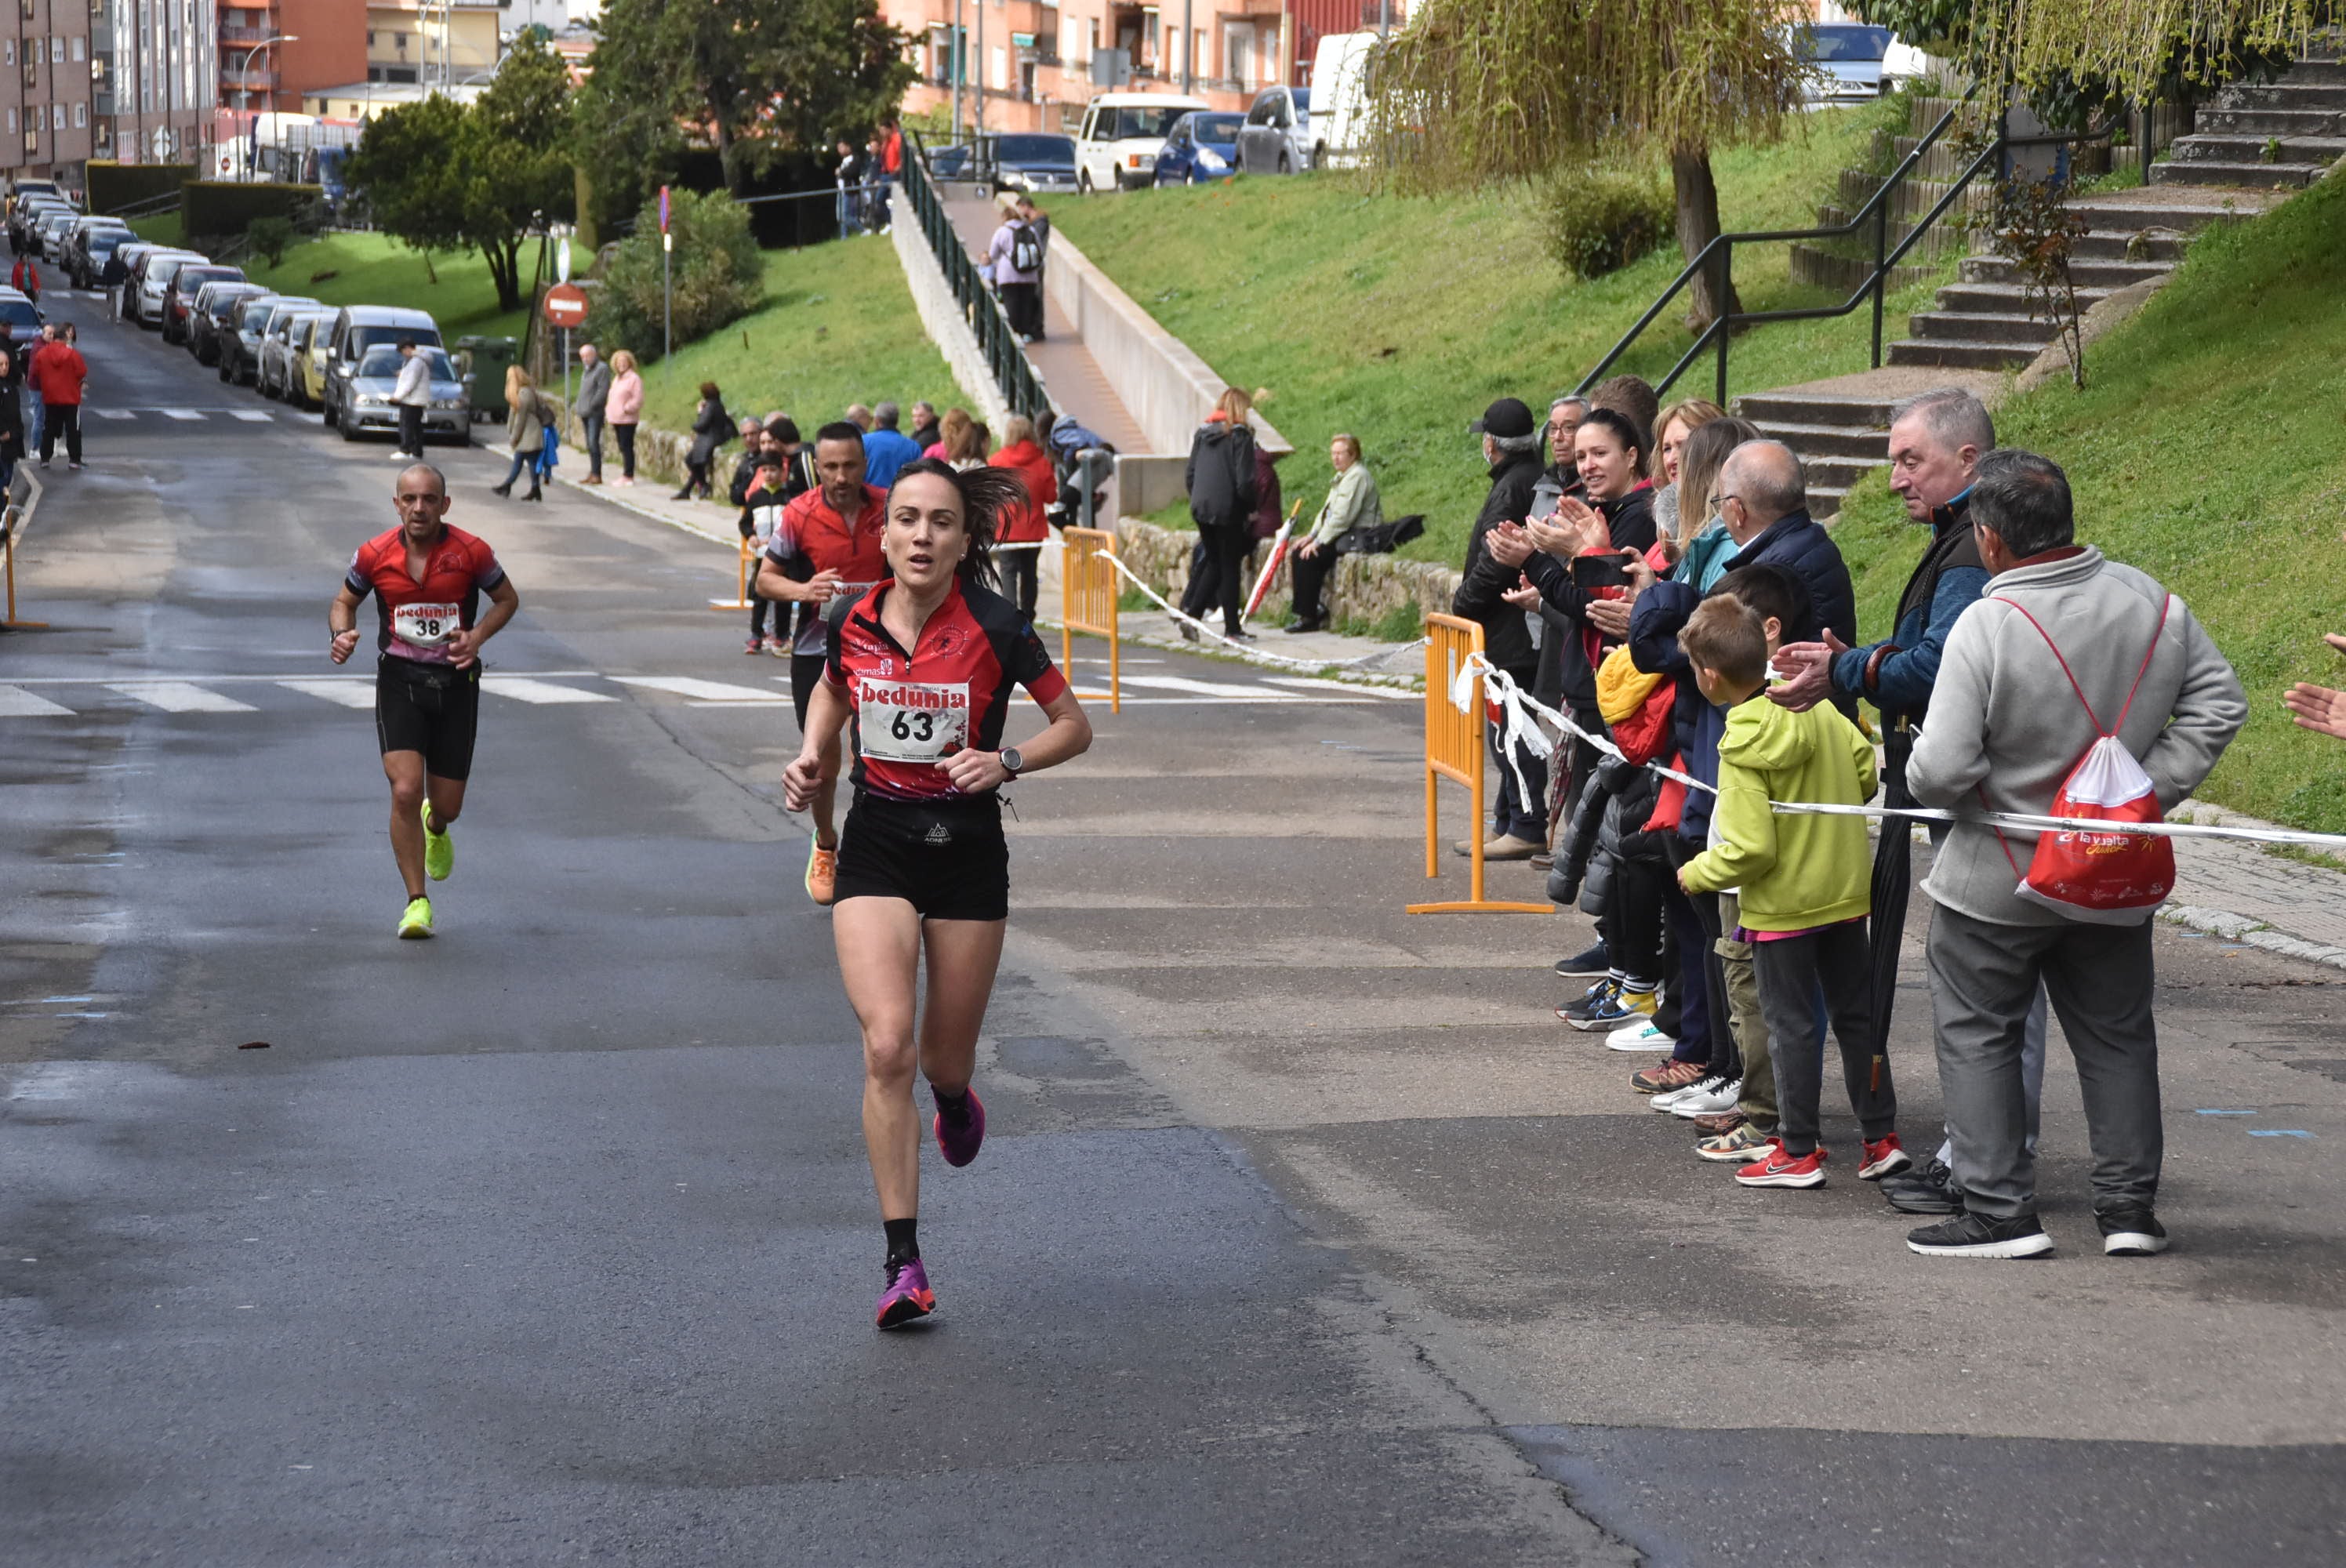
x=2006 y=725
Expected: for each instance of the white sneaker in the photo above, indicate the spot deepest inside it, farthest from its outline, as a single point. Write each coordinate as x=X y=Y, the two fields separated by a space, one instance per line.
x=1669 y=1100
x=1711 y=1098
x=1640 y=1036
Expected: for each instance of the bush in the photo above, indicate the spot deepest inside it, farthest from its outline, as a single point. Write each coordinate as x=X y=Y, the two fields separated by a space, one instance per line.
x=269 y=238
x=115 y=186
x=1598 y=220
x=719 y=274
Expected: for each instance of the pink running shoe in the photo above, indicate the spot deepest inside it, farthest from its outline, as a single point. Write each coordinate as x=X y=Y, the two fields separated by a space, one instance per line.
x=908 y=1296
x=960 y=1140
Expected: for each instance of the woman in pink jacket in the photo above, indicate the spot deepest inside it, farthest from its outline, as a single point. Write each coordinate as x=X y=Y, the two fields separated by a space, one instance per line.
x=624 y=409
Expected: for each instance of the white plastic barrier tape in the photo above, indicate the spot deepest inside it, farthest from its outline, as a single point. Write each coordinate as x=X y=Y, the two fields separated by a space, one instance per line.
x=1260 y=656
x=1522 y=714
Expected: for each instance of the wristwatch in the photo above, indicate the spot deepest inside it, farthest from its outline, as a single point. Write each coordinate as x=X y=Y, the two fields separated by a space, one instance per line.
x=1010 y=759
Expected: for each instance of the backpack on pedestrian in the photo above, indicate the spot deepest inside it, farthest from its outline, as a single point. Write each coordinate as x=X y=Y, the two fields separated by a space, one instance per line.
x=1025 y=249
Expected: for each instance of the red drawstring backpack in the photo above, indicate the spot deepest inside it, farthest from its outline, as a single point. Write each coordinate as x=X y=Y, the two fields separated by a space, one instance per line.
x=2105 y=878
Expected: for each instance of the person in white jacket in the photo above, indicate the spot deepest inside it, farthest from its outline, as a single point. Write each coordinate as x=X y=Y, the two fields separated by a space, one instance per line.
x=413 y=394
x=2065 y=647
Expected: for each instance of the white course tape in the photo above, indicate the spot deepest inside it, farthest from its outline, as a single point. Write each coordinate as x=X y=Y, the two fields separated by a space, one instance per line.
x=1258 y=655
x=1521 y=712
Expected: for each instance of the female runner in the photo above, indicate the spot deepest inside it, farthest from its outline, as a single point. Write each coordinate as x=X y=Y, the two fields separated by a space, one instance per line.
x=923 y=665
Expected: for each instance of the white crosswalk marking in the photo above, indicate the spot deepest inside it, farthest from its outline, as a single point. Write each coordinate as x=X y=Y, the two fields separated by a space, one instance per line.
x=346 y=693
x=704 y=690
x=521 y=688
x=180 y=414
x=179 y=697
x=16 y=702
x=114 y=412
x=1308 y=683
x=1206 y=688
x=252 y=415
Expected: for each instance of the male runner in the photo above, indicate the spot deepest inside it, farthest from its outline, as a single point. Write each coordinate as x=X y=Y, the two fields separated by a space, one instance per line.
x=828 y=541
x=427 y=579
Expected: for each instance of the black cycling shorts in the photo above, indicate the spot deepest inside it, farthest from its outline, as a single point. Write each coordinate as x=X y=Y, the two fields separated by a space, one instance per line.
x=806 y=674
x=949 y=860
x=433 y=708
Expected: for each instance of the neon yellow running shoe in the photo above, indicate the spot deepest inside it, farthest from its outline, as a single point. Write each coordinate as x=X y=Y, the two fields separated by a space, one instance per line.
x=439 y=851
x=415 y=925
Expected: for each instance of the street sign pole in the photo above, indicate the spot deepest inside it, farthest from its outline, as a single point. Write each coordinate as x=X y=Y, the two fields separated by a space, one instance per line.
x=668 y=285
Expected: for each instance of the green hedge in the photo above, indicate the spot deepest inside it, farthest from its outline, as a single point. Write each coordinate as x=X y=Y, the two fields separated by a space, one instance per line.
x=215 y=208
x=115 y=186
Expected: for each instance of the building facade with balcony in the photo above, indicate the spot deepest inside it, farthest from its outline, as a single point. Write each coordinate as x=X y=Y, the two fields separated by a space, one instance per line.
x=46 y=123
x=1030 y=62
x=327 y=46
x=154 y=79
x=431 y=43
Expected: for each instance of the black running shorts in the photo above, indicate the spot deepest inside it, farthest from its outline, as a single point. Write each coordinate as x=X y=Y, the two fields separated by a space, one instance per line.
x=806 y=674
x=949 y=860
x=428 y=708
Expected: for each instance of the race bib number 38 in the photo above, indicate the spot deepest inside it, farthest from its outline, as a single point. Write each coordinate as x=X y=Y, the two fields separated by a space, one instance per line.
x=424 y=625
x=912 y=721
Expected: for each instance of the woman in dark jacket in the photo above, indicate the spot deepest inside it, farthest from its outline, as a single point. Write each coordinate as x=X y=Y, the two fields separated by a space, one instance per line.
x=11 y=421
x=712 y=427
x=1222 y=490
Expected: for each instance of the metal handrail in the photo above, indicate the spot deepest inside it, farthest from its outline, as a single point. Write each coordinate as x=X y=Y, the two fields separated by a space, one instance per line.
x=1719 y=255
x=1004 y=356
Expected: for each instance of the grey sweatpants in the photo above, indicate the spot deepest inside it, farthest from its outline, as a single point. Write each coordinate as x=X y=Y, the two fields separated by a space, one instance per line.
x=1791 y=969
x=2099 y=977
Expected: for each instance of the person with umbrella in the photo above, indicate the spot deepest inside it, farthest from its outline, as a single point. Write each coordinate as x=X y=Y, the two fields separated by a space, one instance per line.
x=1936 y=441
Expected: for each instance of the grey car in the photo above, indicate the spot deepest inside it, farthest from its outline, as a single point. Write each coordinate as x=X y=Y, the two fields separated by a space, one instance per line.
x=1843 y=60
x=275 y=376
x=367 y=393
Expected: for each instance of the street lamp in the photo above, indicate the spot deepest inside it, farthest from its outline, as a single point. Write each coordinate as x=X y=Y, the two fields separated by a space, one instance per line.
x=264 y=44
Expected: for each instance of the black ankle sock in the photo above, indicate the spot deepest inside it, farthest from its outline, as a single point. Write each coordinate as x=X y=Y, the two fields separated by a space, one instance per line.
x=904 y=1240
x=954 y=1108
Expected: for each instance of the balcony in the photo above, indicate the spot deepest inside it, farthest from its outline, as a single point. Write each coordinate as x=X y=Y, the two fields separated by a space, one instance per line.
x=242 y=81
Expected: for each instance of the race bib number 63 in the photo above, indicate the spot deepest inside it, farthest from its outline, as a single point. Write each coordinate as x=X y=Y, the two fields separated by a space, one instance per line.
x=912 y=721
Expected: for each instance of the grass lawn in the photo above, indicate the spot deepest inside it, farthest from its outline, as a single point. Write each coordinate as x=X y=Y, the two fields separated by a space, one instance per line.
x=838 y=328
x=1398 y=318
x=2206 y=450
x=358 y=269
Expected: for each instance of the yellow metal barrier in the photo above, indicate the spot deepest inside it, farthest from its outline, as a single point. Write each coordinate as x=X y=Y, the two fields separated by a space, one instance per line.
x=1088 y=594
x=741 y=601
x=1455 y=749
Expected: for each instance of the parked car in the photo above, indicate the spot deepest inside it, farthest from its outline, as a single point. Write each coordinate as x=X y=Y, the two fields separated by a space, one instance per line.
x=357 y=328
x=274 y=377
x=1843 y=61
x=1117 y=146
x=1277 y=137
x=1200 y=146
x=49 y=232
x=180 y=298
x=88 y=243
x=367 y=386
x=309 y=375
x=30 y=212
x=1340 y=86
x=154 y=275
x=1026 y=162
x=218 y=307
x=240 y=352
x=24 y=317
x=949 y=162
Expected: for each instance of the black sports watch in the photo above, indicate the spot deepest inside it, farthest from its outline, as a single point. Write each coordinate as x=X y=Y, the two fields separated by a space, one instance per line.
x=1011 y=761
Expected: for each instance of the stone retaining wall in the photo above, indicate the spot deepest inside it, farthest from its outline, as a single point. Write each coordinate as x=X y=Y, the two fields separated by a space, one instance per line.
x=1362 y=587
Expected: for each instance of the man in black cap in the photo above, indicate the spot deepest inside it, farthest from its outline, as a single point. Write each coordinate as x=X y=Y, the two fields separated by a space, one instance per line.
x=1511 y=445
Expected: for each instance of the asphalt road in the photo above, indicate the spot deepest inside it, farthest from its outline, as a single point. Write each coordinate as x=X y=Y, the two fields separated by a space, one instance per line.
x=1303 y=1236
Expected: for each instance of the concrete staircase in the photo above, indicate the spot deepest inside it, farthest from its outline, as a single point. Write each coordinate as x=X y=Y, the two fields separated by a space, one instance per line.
x=2283 y=135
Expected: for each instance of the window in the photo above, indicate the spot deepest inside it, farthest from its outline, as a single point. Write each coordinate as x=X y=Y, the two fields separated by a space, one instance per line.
x=74 y=46
x=57 y=116
x=370 y=40
x=32 y=71
x=32 y=141
x=56 y=50
x=7 y=51
x=81 y=116
x=12 y=121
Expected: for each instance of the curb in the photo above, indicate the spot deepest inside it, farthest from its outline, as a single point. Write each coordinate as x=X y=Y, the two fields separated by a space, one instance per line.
x=2250 y=932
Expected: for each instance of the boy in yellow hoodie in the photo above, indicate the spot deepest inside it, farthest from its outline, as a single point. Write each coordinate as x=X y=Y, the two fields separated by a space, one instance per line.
x=1805 y=882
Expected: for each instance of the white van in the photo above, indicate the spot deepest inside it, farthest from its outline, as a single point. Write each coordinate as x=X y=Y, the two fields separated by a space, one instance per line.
x=1121 y=134
x=1340 y=98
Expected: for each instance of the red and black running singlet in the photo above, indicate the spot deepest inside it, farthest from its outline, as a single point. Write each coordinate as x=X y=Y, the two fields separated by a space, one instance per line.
x=417 y=619
x=951 y=691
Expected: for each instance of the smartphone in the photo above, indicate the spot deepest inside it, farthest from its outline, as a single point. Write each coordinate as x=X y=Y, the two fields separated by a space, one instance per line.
x=1599 y=572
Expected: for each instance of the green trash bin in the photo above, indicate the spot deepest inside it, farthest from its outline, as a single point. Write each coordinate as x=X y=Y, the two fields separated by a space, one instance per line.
x=480 y=364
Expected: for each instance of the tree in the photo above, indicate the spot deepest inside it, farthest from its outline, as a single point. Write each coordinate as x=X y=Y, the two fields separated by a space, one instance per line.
x=717 y=269
x=1497 y=91
x=440 y=176
x=756 y=79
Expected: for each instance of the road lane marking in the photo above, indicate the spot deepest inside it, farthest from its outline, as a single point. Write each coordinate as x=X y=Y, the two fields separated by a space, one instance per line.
x=1207 y=688
x=521 y=689
x=252 y=415
x=346 y=693
x=16 y=702
x=114 y=413
x=179 y=697
x=179 y=413
x=704 y=691
x=1309 y=683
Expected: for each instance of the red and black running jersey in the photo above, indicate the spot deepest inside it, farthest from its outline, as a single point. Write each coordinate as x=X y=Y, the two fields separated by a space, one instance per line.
x=811 y=537
x=914 y=710
x=418 y=617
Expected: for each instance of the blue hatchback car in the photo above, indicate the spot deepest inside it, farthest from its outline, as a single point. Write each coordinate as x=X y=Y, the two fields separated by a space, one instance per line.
x=1201 y=147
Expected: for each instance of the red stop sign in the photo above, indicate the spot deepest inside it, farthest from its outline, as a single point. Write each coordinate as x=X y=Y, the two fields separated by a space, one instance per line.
x=565 y=305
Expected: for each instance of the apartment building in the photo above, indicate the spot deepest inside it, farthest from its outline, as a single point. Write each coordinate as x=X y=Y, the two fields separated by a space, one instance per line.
x=1030 y=62
x=324 y=44
x=431 y=43
x=153 y=76
x=45 y=89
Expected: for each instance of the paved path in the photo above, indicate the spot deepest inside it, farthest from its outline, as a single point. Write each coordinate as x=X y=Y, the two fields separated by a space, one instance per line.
x=1080 y=388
